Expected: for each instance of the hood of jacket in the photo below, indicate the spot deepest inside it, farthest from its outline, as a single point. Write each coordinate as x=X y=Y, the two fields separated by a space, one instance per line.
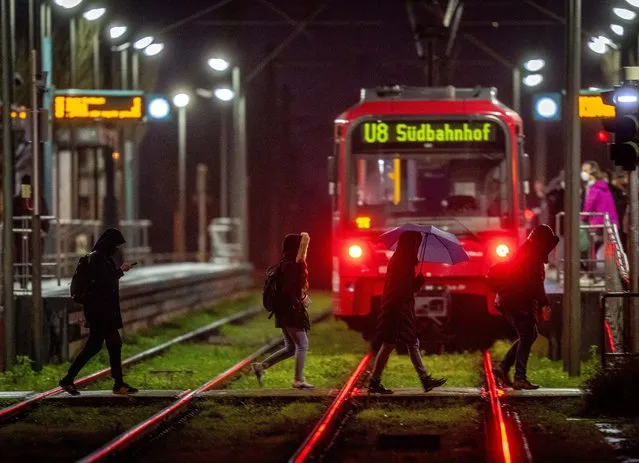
x=290 y=246
x=540 y=243
x=109 y=241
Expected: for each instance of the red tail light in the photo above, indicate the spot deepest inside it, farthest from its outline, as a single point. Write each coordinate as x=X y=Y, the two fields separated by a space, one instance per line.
x=355 y=251
x=528 y=214
x=502 y=250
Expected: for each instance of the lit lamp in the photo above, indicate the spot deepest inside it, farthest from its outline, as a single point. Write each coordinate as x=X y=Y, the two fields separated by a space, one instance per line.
x=181 y=101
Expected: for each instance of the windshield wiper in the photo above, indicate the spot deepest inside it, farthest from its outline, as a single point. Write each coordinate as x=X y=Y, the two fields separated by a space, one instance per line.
x=465 y=227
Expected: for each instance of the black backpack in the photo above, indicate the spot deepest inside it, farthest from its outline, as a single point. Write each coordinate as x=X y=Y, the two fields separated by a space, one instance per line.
x=81 y=280
x=501 y=277
x=271 y=289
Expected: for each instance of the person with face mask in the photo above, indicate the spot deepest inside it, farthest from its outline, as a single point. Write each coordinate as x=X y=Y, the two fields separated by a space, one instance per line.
x=102 y=312
x=598 y=197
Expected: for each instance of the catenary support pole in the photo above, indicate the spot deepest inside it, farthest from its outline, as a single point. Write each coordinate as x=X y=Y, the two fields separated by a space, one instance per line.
x=9 y=314
x=571 y=335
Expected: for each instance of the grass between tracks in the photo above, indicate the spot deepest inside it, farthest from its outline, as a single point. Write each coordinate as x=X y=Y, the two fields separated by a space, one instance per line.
x=546 y=372
x=23 y=378
x=184 y=366
x=448 y=430
x=71 y=432
x=246 y=431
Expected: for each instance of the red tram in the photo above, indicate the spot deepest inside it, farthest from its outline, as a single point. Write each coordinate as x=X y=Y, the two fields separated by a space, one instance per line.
x=448 y=157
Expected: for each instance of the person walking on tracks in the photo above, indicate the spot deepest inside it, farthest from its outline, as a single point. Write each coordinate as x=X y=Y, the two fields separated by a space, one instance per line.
x=285 y=295
x=96 y=286
x=521 y=297
x=397 y=321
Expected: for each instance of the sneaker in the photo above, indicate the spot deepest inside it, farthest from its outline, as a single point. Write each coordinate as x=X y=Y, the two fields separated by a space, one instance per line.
x=431 y=383
x=524 y=384
x=375 y=387
x=258 y=371
x=68 y=386
x=302 y=385
x=124 y=389
x=501 y=377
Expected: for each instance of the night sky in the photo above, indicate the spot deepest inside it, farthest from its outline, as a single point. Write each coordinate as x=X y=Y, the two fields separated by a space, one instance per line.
x=292 y=103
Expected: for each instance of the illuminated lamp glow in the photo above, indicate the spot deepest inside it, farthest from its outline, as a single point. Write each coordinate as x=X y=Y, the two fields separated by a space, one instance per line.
x=597 y=45
x=627 y=98
x=634 y=3
x=355 y=251
x=617 y=29
x=68 y=4
x=218 y=64
x=624 y=13
x=115 y=155
x=224 y=94
x=363 y=222
x=181 y=100
x=528 y=214
x=546 y=108
x=603 y=136
x=154 y=49
x=159 y=108
x=143 y=43
x=94 y=14
x=534 y=65
x=502 y=250
x=533 y=80
x=116 y=32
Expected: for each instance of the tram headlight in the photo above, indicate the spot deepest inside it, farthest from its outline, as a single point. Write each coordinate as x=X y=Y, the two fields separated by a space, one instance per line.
x=355 y=251
x=502 y=250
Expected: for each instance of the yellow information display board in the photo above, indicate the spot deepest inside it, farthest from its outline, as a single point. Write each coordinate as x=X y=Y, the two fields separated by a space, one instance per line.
x=84 y=108
x=592 y=107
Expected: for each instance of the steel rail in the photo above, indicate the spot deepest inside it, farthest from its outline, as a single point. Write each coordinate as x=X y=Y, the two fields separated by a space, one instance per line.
x=495 y=408
x=12 y=410
x=304 y=452
x=147 y=426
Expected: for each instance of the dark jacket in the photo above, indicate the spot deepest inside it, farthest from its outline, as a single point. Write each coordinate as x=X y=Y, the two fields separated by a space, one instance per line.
x=293 y=281
x=397 y=318
x=529 y=292
x=102 y=305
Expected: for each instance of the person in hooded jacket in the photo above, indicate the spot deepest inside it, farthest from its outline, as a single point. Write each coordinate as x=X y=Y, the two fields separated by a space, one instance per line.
x=291 y=315
x=102 y=312
x=523 y=301
x=397 y=321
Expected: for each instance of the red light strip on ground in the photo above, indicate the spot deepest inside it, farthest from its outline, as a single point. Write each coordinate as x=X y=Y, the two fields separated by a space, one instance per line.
x=304 y=452
x=495 y=407
x=611 y=342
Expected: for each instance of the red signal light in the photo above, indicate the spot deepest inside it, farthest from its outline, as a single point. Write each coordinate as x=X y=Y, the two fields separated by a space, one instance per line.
x=603 y=136
x=528 y=214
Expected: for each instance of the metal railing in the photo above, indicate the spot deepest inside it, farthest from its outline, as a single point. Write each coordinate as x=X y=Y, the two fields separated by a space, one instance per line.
x=604 y=253
x=66 y=241
x=607 y=264
x=618 y=345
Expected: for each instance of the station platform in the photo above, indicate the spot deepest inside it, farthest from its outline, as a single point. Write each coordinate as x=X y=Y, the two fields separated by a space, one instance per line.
x=149 y=295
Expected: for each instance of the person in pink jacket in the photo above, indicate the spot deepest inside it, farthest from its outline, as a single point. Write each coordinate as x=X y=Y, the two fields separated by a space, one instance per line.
x=599 y=198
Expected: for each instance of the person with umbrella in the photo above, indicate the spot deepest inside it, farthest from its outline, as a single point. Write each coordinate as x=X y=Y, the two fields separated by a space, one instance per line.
x=397 y=322
x=521 y=300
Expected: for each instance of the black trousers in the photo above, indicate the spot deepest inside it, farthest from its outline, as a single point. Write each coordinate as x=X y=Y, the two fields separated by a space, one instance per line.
x=93 y=345
x=526 y=326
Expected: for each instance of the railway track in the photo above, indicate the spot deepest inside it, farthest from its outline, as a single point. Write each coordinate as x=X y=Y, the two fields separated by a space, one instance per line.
x=180 y=407
x=12 y=411
x=504 y=439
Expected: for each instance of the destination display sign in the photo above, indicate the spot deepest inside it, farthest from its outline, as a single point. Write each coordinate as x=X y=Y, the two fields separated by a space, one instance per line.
x=84 y=108
x=411 y=135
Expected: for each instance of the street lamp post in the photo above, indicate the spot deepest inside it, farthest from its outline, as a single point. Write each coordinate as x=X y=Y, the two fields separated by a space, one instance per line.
x=181 y=101
x=238 y=178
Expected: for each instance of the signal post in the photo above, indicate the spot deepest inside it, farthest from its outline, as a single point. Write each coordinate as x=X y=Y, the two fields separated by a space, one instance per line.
x=624 y=152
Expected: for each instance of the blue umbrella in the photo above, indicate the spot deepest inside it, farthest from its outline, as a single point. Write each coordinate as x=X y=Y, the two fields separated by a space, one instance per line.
x=437 y=245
